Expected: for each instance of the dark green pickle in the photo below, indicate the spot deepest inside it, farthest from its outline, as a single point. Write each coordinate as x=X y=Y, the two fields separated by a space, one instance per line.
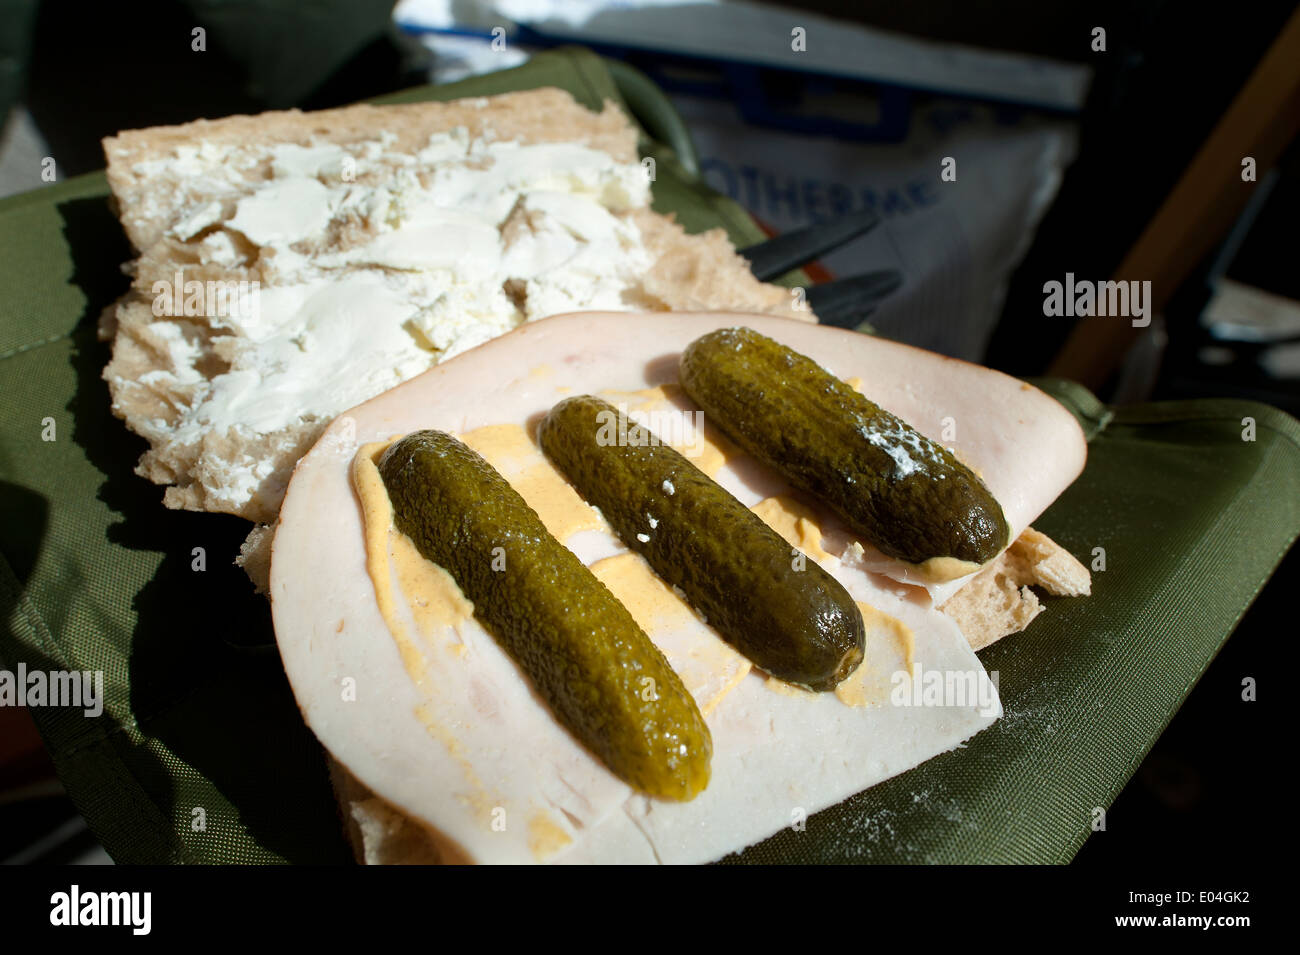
x=786 y=614
x=585 y=654
x=902 y=492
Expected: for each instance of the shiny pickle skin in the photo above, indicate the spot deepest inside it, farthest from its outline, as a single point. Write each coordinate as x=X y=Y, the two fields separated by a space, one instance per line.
x=799 y=625
x=585 y=654
x=792 y=415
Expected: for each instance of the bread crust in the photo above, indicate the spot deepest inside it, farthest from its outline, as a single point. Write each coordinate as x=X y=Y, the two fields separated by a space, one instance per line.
x=997 y=602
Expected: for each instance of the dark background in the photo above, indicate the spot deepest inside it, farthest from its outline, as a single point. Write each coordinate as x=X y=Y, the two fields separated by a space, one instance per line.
x=1171 y=68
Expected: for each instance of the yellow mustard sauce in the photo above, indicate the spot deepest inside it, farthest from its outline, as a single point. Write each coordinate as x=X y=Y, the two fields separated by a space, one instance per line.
x=708 y=450
x=509 y=449
x=434 y=599
x=940 y=570
x=545 y=836
x=887 y=640
x=709 y=669
x=889 y=647
x=794 y=521
x=377 y=517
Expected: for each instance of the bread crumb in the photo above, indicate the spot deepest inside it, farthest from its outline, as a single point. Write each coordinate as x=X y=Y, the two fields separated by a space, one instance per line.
x=997 y=602
x=255 y=556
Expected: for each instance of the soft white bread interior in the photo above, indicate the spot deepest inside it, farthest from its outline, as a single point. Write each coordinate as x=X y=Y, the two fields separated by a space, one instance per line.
x=998 y=601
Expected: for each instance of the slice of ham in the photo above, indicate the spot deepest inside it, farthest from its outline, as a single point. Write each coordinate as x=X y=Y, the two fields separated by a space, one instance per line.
x=474 y=754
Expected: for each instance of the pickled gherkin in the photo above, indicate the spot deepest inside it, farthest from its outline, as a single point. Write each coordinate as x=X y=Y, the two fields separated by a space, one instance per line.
x=782 y=611
x=907 y=495
x=588 y=659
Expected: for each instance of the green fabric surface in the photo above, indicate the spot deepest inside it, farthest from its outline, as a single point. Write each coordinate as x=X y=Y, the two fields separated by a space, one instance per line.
x=200 y=726
x=1193 y=520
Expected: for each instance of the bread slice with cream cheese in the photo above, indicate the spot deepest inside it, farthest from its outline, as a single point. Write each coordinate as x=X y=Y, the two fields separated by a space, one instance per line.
x=293 y=264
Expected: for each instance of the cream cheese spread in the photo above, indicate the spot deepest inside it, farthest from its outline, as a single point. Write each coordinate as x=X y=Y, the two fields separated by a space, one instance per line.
x=371 y=265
